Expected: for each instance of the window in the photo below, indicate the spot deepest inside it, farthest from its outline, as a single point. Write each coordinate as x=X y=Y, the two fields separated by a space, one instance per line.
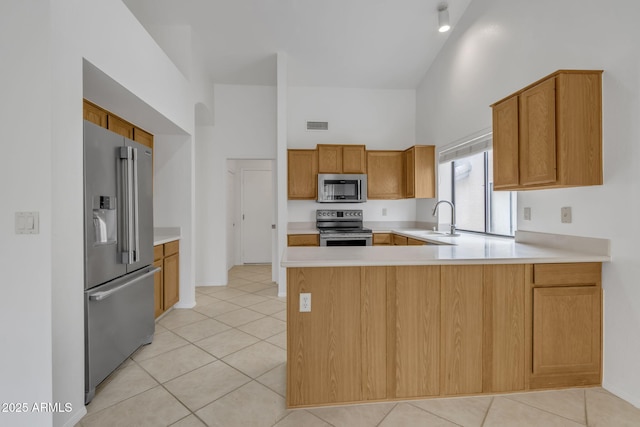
x=466 y=178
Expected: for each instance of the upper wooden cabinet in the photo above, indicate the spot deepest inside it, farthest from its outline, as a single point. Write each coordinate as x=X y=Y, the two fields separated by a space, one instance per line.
x=549 y=134
x=341 y=159
x=107 y=120
x=385 y=174
x=420 y=172
x=144 y=138
x=119 y=126
x=94 y=114
x=302 y=167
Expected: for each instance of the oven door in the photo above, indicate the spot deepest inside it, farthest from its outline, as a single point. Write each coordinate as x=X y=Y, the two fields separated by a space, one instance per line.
x=345 y=240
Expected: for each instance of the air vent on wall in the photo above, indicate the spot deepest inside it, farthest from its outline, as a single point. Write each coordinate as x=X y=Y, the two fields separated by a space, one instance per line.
x=317 y=125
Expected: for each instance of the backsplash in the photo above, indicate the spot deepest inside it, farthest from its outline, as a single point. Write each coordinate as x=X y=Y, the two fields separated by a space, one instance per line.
x=372 y=210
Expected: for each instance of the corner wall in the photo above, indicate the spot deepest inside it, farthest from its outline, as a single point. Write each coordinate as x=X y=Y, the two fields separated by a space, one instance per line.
x=500 y=46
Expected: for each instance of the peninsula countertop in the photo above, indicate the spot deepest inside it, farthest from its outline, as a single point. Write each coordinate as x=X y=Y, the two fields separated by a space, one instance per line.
x=527 y=247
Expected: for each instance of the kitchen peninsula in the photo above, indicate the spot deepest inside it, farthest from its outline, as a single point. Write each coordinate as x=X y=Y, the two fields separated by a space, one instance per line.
x=475 y=315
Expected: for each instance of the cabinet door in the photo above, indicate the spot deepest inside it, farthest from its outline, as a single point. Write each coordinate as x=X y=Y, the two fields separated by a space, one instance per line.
x=119 y=126
x=385 y=174
x=399 y=240
x=302 y=166
x=354 y=159
x=94 y=114
x=462 y=316
x=143 y=137
x=382 y=239
x=158 y=289
x=171 y=280
x=329 y=158
x=504 y=328
x=410 y=172
x=414 y=335
x=303 y=240
x=538 y=134
x=566 y=330
x=505 y=144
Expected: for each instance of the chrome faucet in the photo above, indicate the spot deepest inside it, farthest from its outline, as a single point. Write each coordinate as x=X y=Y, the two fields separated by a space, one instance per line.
x=453 y=215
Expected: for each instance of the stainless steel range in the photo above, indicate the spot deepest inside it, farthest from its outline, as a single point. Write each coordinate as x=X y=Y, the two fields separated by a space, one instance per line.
x=342 y=228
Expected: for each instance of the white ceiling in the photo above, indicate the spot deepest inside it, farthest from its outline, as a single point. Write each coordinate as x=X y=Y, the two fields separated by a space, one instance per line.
x=383 y=44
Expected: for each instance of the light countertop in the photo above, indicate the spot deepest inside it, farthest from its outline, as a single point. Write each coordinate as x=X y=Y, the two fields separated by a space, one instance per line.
x=527 y=247
x=165 y=234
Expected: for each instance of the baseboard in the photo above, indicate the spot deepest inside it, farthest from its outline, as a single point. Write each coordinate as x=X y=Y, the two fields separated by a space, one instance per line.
x=634 y=400
x=75 y=419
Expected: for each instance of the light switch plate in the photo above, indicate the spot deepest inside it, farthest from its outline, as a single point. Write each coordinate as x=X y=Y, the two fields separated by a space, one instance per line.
x=565 y=214
x=527 y=214
x=27 y=223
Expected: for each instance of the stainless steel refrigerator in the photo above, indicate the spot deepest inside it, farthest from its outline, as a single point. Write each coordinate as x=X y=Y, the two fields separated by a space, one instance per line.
x=118 y=231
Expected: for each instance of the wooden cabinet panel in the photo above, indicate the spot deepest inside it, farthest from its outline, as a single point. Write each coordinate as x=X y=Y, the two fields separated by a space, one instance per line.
x=505 y=144
x=385 y=174
x=303 y=240
x=399 y=240
x=504 y=328
x=144 y=138
x=415 y=242
x=538 y=134
x=158 y=286
x=566 y=334
x=171 y=281
x=94 y=114
x=171 y=248
x=420 y=173
x=374 y=333
x=158 y=252
x=587 y=274
x=382 y=239
x=462 y=315
x=341 y=158
x=354 y=159
x=415 y=298
x=119 y=126
x=302 y=181
x=324 y=345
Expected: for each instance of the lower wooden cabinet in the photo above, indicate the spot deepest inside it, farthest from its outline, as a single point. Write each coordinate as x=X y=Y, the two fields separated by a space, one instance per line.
x=303 y=240
x=382 y=239
x=166 y=281
x=397 y=332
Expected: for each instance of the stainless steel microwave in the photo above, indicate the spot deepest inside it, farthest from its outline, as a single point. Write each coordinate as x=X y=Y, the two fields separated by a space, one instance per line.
x=342 y=188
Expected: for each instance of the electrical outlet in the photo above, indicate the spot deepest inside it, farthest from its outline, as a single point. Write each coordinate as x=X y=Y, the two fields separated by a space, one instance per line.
x=305 y=303
x=565 y=214
x=527 y=214
x=384 y=211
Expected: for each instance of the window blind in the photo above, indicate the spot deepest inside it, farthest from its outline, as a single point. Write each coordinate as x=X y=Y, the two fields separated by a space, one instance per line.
x=466 y=147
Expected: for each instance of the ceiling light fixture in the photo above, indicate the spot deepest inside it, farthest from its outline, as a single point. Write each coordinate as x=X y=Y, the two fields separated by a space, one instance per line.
x=443 y=18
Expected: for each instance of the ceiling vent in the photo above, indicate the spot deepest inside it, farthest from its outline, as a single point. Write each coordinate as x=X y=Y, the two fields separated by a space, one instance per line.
x=317 y=125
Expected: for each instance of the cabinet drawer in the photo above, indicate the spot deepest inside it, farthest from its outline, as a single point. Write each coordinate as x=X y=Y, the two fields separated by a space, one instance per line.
x=158 y=252
x=415 y=242
x=575 y=274
x=303 y=240
x=171 y=248
x=400 y=240
x=381 y=238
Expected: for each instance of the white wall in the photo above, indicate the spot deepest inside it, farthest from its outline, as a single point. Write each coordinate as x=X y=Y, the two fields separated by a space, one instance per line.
x=500 y=46
x=43 y=45
x=245 y=128
x=379 y=119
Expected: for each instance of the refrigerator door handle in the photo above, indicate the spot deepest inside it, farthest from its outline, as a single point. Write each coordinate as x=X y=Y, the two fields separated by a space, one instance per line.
x=126 y=155
x=99 y=296
x=136 y=216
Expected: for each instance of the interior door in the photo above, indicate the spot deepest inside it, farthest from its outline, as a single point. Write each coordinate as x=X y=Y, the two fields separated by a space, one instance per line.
x=257 y=212
x=231 y=220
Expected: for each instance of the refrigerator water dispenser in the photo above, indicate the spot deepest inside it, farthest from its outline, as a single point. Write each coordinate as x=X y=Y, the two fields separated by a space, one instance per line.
x=104 y=220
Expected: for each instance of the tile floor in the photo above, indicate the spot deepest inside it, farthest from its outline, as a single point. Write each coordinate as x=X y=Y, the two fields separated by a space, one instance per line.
x=223 y=364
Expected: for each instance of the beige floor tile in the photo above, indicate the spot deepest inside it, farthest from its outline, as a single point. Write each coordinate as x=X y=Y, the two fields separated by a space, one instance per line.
x=176 y=362
x=406 y=415
x=257 y=359
x=275 y=379
x=566 y=403
x=190 y=421
x=281 y=315
x=354 y=415
x=605 y=409
x=203 y=299
x=210 y=290
x=505 y=412
x=200 y=330
x=228 y=293
x=160 y=329
x=239 y=317
x=466 y=411
x=265 y=410
x=161 y=344
x=248 y=300
x=269 y=292
x=254 y=287
x=264 y=328
x=269 y=307
x=237 y=282
x=301 y=418
x=152 y=408
x=123 y=383
x=280 y=340
x=217 y=308
x=204 y=385
x=180 y=317
x=227 y=342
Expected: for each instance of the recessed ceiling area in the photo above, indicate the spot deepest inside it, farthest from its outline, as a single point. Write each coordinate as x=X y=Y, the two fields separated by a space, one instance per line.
x=376 y=44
